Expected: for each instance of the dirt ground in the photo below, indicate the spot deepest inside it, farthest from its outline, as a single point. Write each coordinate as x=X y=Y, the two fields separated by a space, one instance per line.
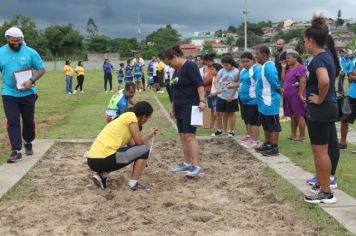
x=231 y=198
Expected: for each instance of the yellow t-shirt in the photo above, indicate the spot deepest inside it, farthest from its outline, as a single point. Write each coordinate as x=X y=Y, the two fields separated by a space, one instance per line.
x=115 y=135
x=79 y=70
x=160 y=66
x=68 y=70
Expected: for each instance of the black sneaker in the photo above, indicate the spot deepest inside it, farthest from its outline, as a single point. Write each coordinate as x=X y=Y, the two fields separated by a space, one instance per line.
x=139 y=186
x=28 y=149
x=271 y=152
x=264 y=147
x=14 y=157
x=217 y=133
x=321 y=197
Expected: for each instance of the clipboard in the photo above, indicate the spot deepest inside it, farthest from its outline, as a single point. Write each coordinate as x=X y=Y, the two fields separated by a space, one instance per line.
x=21 y=76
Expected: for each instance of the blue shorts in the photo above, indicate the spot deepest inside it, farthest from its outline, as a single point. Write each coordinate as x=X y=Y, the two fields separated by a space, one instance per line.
x=120 y=80
x=210 y=100
x=224 y=106
x=138 y=78
x=271 y=123
x=128 y=79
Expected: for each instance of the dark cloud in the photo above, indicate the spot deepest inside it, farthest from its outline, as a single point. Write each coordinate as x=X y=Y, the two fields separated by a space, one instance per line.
x=118 y=18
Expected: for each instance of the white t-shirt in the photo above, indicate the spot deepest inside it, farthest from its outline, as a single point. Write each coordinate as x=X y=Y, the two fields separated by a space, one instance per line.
x=154 y=67
x=201 y=70
x=168 y=72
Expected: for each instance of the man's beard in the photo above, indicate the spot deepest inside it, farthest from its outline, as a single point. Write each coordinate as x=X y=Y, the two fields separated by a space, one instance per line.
x=14 y=48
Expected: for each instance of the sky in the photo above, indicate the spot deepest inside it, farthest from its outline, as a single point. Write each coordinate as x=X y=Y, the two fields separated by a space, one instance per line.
x=118 y=18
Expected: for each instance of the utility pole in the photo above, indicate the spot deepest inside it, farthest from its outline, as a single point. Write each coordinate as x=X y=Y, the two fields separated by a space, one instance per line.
x=245 y=12
x=139 y=34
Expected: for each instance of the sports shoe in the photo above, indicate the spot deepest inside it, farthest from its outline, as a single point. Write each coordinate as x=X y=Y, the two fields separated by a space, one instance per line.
x=250 y=144
x=342 y=146
x=264 y=147
x=195 y=171
x=217 y=133
x=315 y=189
x=139 y=186
x=14 y=157
x=99 y=180
x=313 y=181
x=182 y=168
x=81 y=91
x=321 y=197
x=271 y=152
x=231 y=134
x=246 y=138
x=75 y=91
x=28 y=149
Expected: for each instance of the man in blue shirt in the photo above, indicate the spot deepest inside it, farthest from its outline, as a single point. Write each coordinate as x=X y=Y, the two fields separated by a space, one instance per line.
x=19 y=99
x=268 y=101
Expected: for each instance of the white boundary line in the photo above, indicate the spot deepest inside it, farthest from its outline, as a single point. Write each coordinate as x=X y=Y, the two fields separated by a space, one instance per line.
x=164 y=111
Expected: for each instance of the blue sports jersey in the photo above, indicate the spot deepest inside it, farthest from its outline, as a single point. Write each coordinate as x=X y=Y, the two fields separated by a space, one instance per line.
x=11 y=61
x=267 y=86
x=138 y=69
x=128 y=71
x=248 y=80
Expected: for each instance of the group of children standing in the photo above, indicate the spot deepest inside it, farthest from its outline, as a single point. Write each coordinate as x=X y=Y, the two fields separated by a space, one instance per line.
x=256 y=88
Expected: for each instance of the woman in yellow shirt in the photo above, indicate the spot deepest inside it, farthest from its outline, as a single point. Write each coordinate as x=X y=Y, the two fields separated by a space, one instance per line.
x=80 y=77
x=120 y=143
x=68 y=73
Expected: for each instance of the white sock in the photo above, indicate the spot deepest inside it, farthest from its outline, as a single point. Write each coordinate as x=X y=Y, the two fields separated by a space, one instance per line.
x=132 y=182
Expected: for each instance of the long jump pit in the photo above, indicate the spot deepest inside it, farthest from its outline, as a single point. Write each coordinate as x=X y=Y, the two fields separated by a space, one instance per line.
x=232 y=197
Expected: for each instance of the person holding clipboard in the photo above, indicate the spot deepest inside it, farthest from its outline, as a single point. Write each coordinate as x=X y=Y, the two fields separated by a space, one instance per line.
x=17 y=63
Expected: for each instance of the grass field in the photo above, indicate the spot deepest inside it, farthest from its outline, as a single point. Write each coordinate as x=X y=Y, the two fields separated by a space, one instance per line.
x=59 y=115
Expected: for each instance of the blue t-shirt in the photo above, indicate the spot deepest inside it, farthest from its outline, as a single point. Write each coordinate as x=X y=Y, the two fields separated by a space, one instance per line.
x=150 y=68
x=352 y=89
x=120 y=72
x=248 y=79
x=225 y=78
x=122 y=104
x=138 y=68
x=11 y=61
x=107 y=68
x=267 y=90
x=344 y=63
x=322 y=60
x=184 y=85
x=128 y=71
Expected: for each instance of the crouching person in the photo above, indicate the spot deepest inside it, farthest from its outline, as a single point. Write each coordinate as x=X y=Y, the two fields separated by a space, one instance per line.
x=121 y=143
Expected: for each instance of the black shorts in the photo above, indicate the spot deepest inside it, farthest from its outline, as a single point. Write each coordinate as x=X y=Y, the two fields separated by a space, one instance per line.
x=351 y=118
x=319 y=132
x=224 y=106
x=270 y=124
x=155 y=79
x=184 y=126
x=250 y=114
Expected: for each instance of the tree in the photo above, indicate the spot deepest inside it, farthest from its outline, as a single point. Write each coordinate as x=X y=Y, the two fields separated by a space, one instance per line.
x=63 y=40
x=339 y=21
x=99 y=43
x=352 y=44
x=352 y=27
x=29 y=29
x=230 y=42
x=207 y=48
x=92 y=29
x=232 y=29
x=300 y=46
x=163 y=38
x=147 y=52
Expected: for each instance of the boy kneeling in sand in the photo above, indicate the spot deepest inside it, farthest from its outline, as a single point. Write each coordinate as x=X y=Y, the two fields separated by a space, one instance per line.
x=120 y=143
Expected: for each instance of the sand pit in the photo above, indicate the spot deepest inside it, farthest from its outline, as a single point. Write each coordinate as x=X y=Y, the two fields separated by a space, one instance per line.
x=231 y=198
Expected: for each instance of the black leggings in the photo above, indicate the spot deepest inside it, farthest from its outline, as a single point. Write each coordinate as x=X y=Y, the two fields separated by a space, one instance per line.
x=107 y=77
x=321 y=133
x=123 y=157
x=80 y=81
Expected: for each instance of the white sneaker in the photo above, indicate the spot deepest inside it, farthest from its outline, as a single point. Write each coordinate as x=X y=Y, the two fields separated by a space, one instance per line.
x=251 y=144
x=111 y=91
x=81 y=91
x=106 y=91
x=75 y=91
x=69 y=93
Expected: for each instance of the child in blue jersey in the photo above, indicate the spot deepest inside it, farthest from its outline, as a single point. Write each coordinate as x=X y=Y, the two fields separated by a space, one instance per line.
x=268 y=93
x=249 y=76
x=344 y=63
x=128 y=72
x=120 y=75
x=226 y=103
x=213 y=94
x=138 y=74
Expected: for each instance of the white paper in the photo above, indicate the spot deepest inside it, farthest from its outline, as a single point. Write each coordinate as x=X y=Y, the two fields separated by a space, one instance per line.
x=196 y=117
x=21 y=77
